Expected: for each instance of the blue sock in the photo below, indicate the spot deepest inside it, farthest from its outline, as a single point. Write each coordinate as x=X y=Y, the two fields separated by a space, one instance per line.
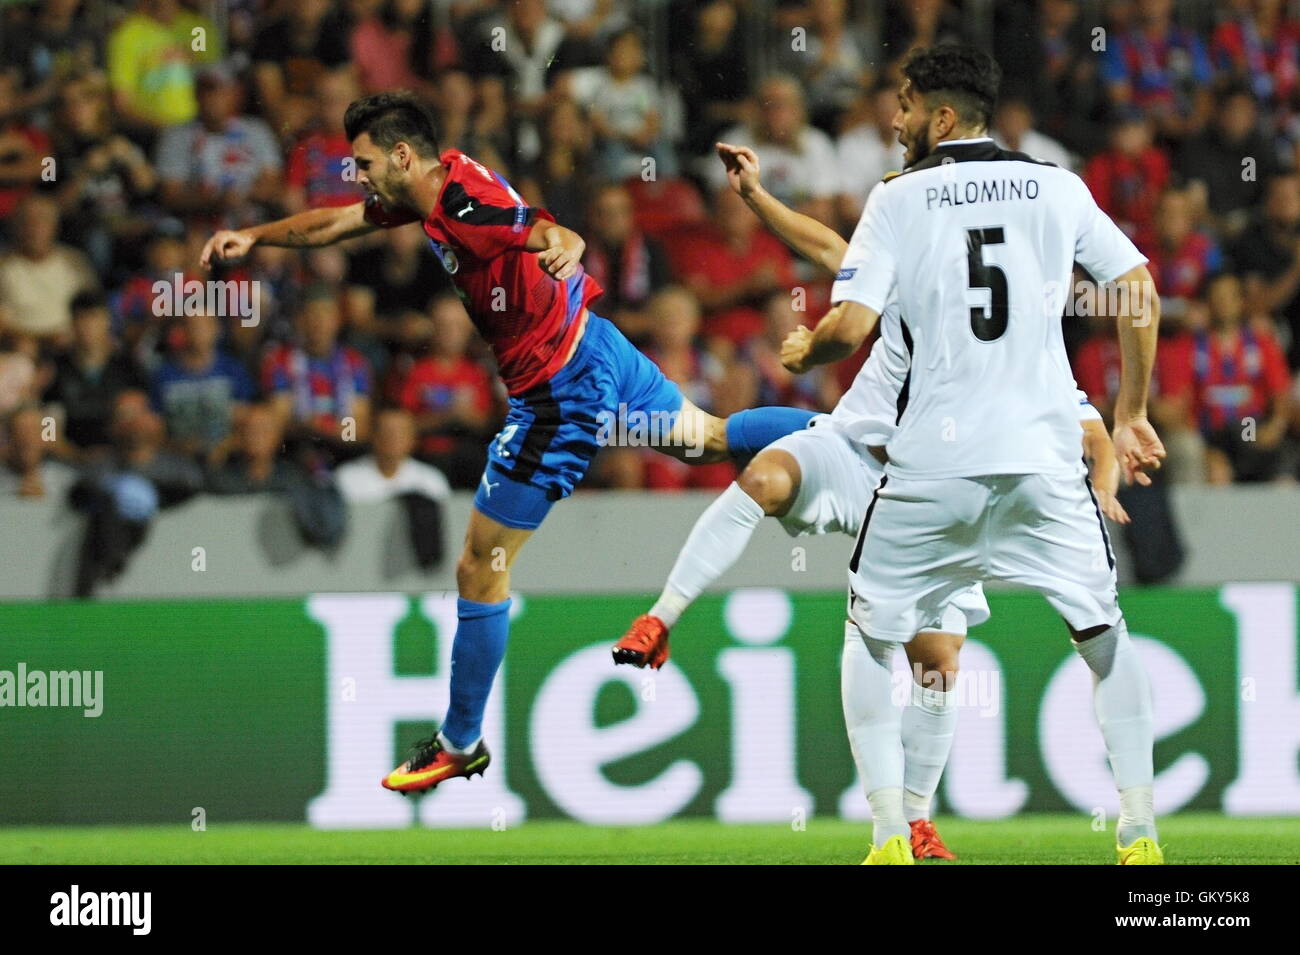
x=476 y=655
x=749 y=432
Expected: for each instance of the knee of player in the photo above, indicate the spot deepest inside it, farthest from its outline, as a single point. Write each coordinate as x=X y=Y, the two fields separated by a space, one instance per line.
x=769 y=485
x=476 y=570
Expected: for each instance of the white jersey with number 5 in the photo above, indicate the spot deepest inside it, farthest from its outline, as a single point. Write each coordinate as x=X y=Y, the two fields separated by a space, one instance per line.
x=978 y=245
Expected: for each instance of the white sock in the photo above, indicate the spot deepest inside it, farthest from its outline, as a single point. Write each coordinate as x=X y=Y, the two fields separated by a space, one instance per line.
x=716 y=542
x=451 y=747
x=1121 y=699
x=928 y=726
x=874 y=723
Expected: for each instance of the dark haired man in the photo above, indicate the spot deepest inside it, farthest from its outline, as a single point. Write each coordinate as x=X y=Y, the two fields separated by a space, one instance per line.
x=573 y=380
x=984 y=479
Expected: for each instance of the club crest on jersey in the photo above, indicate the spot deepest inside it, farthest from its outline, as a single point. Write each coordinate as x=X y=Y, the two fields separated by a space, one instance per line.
x=446 y=255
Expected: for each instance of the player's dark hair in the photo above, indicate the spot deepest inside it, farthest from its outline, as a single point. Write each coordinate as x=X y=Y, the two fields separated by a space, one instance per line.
x=392 y=118
x=963 y=77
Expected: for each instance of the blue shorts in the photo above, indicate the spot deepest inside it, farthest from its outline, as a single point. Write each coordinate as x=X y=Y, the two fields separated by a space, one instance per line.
x=553 y=430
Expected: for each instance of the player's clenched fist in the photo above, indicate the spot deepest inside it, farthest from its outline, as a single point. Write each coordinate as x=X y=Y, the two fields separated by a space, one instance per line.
x=225 y=245
x=1139 y=449
x=795 y=349
x=742 y=167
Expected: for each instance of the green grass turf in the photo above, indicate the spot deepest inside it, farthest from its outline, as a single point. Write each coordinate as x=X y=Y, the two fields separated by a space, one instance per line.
x=1199 y=838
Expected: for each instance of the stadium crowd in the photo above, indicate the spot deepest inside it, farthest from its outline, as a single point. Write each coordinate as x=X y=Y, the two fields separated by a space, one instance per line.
x=130 y=131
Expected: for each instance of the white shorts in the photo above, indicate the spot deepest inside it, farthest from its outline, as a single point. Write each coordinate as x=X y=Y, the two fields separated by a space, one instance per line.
x=836 y=483
x=924 y=542
x=837 y=479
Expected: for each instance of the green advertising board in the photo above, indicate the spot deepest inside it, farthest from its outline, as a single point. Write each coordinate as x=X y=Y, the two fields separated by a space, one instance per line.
x=294 y=709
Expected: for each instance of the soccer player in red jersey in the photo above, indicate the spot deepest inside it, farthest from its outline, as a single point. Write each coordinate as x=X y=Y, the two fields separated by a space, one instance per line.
x=574 y=381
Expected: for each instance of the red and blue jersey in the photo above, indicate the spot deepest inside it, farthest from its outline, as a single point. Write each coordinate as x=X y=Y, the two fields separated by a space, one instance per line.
x=479 y=228
x=1236 y=378
x=324 y=389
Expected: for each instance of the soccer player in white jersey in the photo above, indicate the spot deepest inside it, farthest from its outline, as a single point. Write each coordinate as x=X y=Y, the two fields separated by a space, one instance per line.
x=984 y=478
x=820 y=480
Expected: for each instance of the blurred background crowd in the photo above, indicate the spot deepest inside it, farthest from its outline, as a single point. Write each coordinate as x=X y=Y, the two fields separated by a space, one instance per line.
x=129 y=131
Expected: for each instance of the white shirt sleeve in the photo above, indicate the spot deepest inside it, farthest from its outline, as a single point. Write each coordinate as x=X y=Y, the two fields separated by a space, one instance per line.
x=1086 y=411
x=1100 y=246
x=869 y=270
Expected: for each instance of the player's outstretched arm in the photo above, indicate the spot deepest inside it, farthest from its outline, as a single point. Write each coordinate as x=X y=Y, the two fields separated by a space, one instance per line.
x=838 y=335
x=309 y=229
x=559 y=250
x=815 y=241
x=1137 y=446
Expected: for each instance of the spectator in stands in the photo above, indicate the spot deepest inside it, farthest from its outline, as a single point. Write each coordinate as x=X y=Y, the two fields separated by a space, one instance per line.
x=622 y=104
x=867 y=151
x=676 y=322
x=201 y=391
x=88 y=379
x=628 y=264
x=393 y=48
x=28 y=469
x=1180 y=257
x=1127 y=177
x=254 y=463
x=320 y=388
x=711 y=71
x=1013 y=128
x=150 y=68
x=731 y=265
x=121 y=495
x=1241 y=390
x=292 y=54
x=908 y=24
x=831 y=60
x=1161 y=69
x=1047 y=57
x=448 y=393
x=473 y=116
x=23 y=147
x=520 y=45
x=1268 y=256
x=40 y=277
x=562 y=179
x=817 y=390
x=53 y=43
x=1097 y=372
x=319 y=171
x=389 y=470
x=103 y=177
x=1230 y=163
x=1259 y=46
x=220 y=163
x=799 y=163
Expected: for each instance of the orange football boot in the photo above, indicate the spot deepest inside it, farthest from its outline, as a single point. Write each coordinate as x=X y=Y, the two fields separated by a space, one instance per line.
x=926 y=843
x=646 y=642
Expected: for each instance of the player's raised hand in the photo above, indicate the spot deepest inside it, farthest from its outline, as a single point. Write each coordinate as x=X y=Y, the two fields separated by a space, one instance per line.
x=225 y=245
x=742 y=167
x=1139 y=450
x=795 y=349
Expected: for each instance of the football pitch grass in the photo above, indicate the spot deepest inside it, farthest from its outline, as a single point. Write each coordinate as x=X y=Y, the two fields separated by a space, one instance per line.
x=1191 y=838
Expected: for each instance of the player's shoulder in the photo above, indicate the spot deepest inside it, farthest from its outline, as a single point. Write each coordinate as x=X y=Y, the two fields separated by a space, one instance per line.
x=967 y=151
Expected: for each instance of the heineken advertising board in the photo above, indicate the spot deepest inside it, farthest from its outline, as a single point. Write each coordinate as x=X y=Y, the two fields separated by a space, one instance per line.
x=294 y=709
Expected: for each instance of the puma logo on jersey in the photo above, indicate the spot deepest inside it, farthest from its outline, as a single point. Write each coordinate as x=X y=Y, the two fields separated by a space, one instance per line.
x=488 y=485
x=468 y=208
